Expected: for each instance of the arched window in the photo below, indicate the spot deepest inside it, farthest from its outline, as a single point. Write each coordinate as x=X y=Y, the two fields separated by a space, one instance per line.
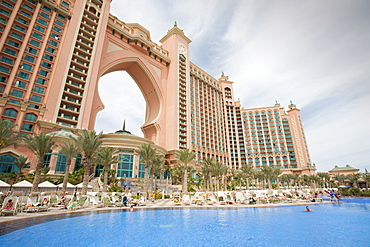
x=6 y=164
x=30 y=117
x=78 y=164
x=61 y=163
x=10 y=113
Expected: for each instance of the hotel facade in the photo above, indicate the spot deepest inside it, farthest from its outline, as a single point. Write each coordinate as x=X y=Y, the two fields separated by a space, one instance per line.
x=53 y=52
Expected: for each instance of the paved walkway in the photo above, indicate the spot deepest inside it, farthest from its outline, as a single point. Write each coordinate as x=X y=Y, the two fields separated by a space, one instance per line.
x=158 y=204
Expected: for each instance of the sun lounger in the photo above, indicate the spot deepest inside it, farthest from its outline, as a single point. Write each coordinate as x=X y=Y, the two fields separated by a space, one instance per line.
x=13 y=211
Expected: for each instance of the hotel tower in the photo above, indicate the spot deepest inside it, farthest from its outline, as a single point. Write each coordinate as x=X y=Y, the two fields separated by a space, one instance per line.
x=53 y=52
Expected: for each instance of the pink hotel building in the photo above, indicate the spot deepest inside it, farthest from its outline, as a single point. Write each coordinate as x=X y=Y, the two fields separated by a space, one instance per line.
x=53 y=52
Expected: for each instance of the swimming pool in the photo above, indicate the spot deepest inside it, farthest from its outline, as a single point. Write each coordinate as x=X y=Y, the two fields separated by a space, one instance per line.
x=339 y=224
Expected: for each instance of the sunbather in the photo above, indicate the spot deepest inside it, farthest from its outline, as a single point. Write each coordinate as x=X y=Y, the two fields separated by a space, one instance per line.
x=62 y=201
x=8 y=206
x=45 y=202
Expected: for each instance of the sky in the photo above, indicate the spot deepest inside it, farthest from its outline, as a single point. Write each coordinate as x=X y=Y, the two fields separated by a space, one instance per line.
x=314 y=53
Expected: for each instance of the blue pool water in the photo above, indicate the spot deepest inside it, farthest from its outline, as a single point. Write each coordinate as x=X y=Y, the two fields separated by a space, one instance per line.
x=339 y=224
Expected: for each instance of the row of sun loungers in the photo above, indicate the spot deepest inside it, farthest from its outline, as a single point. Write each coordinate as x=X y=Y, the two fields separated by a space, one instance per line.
x=40 y=202
x=245 y=197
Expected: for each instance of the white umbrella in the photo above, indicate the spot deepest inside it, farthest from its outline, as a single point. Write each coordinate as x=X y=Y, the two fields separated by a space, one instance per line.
x=3 y=184
x=80 y=186
x=69 y=185
x=23 y=184
x=47 y=184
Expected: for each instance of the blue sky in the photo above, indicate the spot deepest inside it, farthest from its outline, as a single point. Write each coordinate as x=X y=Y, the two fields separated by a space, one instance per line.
x=315 y=53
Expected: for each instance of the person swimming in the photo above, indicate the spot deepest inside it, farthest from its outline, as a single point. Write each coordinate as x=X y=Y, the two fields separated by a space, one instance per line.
x=308 y=209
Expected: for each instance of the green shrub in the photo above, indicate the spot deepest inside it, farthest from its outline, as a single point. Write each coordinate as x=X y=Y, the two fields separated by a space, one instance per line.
x=355 y=191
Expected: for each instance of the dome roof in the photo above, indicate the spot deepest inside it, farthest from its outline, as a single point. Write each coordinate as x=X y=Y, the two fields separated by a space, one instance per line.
x=63 y=133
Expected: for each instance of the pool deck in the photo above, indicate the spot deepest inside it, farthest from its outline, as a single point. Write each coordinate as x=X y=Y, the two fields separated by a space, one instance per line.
x=158 y=204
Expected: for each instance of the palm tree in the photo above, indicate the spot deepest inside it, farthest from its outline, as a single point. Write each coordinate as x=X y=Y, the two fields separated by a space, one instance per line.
x=339 y=178
x=185 y=156
x=286 y=179
x=354 y=179
x=206 y=171
x=70 y=150
x=296 y=178
x=20 y=163
x=324 y=177
x=268 y=172
x=366 y=176
x=248 y=172
x=8 y=136
x=176 y=173
x=218 y=170
x=147 y=154
x=106 y=156
x=157 y=168
x=275 y=174
x=88 y=143
x=40 y=145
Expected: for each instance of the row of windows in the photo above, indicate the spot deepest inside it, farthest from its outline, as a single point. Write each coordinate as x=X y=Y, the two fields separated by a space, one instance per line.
x=13 y=114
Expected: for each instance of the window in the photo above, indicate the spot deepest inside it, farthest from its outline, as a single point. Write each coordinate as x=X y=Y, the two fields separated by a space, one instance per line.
x=40 y=29
x=55 y=36
x=6 y=164
x=10 y=113
x=4 y=12
x=43 y=72
x=34 y=43
x=17 y=93
x=40 y=81
x=51 y=50
x=14 y=101
x=36 y=98
x=31 y=1
x=2 y=20
x=7 y=4
x=28 y=7
x=29 y=58
x=39 y=90
x=125 y=165
x=23 y=75
x=61 y=17
x=22 y=21
x=32 y=50
x=30 y=117
x=64 y=4
x=33 y=106
x=26 y=66
x=61 y=163
x=41 y=21
x=59 y=23
x=7 y=60
x=12 y=43
x=2 y=79
x=48 y=57
x=20 y=28
x=4 y=69
x=46 y=65
x=46 y=16
x=46 y=9
x=37 y=36
x=27 y=127
x=57 y=29
x=53 y=43
x=25 y=14
x=10 y=52
x=20 y=84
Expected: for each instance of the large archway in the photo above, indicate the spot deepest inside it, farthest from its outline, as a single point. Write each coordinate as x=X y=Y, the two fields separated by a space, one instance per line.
x=147 y=77
x=123 y=101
